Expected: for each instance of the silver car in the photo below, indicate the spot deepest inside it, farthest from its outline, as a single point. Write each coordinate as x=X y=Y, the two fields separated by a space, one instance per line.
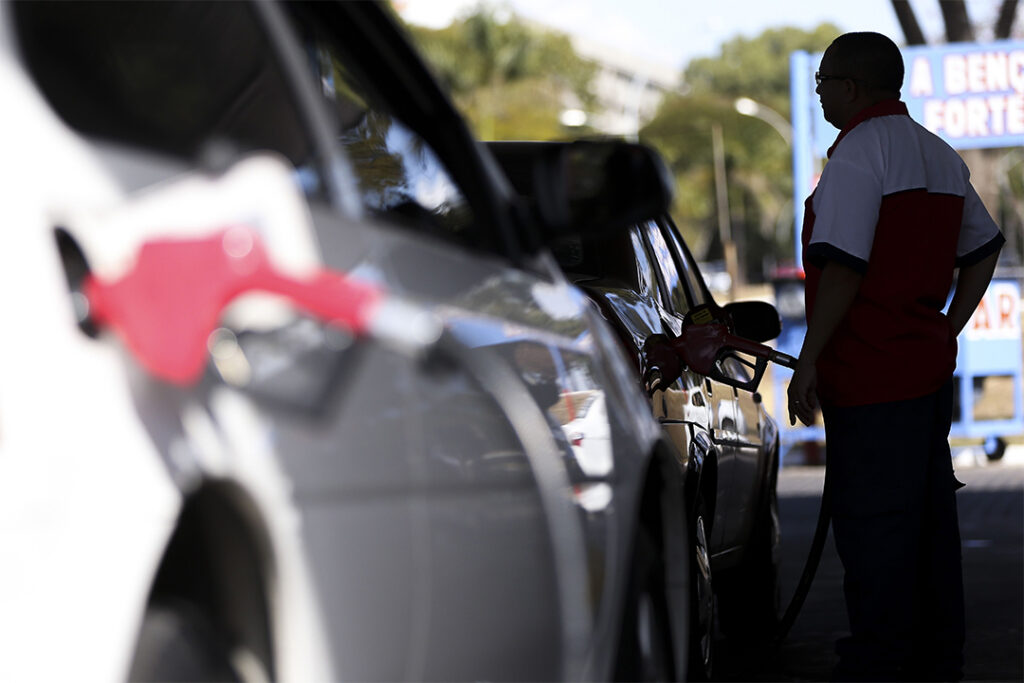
x=290 y=387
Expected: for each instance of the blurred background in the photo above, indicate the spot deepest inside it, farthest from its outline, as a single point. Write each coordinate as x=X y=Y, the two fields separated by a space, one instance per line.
x=708 y=86
x=677 y=75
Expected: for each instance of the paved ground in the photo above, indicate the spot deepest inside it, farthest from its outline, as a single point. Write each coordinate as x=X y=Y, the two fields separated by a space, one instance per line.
x=992 y=527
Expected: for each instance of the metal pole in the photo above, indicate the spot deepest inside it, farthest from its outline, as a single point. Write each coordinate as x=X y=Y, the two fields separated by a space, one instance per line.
x=803 y=175
x=722 y=197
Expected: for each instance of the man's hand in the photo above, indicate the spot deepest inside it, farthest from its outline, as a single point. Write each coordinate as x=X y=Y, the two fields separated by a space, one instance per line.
x=803 y=393
x=970 y=287
x=836 y=291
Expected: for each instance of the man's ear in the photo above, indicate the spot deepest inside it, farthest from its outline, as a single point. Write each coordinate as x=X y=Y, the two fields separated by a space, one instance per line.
x=851 y=89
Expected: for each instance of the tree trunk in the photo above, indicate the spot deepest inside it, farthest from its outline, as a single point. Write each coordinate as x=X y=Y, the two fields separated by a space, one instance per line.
x=908 y=22
x=958 y=24
x=1007 y=13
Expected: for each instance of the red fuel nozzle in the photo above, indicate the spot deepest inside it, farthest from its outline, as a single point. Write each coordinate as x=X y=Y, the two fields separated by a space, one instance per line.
x=704 y=345
x=167 y=305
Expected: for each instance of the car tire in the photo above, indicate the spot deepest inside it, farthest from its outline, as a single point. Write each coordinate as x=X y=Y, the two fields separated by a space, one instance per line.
x=995 y=448
x=177 y=642
x=645 y=644
x=749 y=595
x=702 y=599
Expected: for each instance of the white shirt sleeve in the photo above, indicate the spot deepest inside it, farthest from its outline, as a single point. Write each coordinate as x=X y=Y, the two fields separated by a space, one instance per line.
x=848 y=197
x=977 y=229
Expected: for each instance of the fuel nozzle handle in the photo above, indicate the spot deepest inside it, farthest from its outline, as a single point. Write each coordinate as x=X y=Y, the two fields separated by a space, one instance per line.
x=703 y=343
x=783 y=359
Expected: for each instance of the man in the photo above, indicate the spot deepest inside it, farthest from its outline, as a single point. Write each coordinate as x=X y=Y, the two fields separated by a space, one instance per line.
x=893 y=216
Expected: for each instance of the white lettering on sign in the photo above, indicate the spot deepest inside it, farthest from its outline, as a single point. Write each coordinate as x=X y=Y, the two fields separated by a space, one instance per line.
x=921 y=78
x=1015 y=114
x=933 y=115
x=955 y=69
x=1015 y=70
x=978 y=72
x=973 y=117
x=977 y=117
x=997 y=315
x=956 y=118
x=997 y=73
x=997 y=105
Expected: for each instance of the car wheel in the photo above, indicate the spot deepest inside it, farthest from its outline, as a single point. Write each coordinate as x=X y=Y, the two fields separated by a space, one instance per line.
x=177 y=642
x=702 y=600
x=645 y=646
x=748 y=596
x=995 y=448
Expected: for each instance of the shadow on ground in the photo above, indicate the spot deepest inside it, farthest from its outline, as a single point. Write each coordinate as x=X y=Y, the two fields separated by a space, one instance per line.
x=992 y=528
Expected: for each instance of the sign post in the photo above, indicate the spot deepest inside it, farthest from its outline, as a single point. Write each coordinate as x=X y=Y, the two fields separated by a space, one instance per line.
x=990 y=346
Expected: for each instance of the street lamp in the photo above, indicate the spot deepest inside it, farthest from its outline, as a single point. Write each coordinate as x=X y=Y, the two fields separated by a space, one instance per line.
x=749 y=107
x=573 y=118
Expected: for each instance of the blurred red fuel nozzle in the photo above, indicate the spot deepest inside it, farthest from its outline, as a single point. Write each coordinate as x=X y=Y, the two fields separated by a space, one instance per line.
x=166 y=307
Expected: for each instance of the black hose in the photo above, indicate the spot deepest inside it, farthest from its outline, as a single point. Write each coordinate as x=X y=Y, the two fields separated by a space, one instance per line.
x=810 y=566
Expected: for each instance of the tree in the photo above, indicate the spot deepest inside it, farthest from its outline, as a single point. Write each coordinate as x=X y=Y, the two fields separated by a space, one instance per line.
x=509 y=79
x=758 y=160
x=959 y=28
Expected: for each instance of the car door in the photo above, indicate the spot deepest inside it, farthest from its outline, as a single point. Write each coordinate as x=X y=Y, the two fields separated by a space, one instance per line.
x=514 y=523
x=682 y=405
x=746 y=426
x=418 y=491
x=720 y=398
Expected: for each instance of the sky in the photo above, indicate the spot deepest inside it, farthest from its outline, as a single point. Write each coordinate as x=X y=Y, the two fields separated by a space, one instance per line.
x=672 y=32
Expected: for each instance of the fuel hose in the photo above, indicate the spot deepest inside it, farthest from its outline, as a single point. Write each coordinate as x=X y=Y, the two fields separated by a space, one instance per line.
x=810 y=565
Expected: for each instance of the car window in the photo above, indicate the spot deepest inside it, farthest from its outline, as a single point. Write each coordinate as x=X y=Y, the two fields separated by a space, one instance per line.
x=676 y=291
x=399 y=173
x=646 y=279
x=163 y=76
x=689 y=268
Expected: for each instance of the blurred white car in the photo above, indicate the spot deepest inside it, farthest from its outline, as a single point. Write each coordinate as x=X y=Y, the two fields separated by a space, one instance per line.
x=278 y=368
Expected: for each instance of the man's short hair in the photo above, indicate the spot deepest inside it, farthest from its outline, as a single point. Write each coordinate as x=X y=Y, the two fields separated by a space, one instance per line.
x=871 y=57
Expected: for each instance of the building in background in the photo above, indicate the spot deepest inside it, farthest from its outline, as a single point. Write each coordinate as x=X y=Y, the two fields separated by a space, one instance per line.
x=628 y=88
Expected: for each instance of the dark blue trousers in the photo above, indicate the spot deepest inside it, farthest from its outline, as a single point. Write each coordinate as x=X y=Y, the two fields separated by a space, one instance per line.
x=894 y=521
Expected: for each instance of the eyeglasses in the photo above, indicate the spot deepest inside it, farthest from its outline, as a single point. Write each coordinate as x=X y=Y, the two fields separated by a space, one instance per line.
x=820 y=78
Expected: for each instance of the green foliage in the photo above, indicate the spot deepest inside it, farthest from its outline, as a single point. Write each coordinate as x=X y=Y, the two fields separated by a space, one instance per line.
x=508 y=78
x=758 y=160
x=757 y=67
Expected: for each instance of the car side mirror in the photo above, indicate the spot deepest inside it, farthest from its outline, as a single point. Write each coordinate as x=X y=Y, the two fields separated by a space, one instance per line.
x=586 y=185
x=755 y=320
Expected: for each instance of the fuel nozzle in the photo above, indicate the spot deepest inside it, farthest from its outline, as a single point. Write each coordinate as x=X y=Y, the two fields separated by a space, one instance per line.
x=167 y=306
x=706 y=346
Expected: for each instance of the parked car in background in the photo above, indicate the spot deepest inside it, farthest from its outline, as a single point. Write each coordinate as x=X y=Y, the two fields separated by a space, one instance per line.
x=285 y=368
x=645 y=282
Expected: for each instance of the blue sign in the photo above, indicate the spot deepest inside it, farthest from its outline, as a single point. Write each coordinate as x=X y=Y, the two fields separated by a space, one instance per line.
x=991 y=345
x=971 y=95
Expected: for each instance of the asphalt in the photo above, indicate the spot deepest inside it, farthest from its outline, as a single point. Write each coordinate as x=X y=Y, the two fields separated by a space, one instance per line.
x=991 y=510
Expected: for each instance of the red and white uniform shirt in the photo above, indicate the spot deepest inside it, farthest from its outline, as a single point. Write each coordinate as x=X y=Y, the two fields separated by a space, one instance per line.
x=894 y=203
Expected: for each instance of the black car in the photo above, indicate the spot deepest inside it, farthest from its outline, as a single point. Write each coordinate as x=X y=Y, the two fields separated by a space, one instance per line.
x=645 y=282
